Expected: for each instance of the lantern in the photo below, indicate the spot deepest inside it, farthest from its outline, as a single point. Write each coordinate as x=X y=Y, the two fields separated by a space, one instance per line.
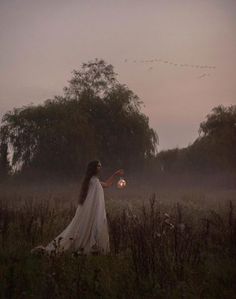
x=121 y=183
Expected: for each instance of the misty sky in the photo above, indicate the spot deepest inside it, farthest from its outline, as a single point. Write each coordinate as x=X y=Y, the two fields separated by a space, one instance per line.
x=41 y=42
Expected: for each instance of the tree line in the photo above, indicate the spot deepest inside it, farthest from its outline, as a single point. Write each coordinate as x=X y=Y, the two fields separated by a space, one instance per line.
x=97 y=117
x=213 y=151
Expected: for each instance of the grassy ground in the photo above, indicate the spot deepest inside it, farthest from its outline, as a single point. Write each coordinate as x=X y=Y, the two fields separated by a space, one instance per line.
x=166 y=243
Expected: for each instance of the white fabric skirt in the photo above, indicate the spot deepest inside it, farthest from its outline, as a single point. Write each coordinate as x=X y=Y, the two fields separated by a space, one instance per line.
x=88 y=230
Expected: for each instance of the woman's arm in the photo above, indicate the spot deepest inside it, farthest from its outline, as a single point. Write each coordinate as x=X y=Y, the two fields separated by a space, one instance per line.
x=104 y=184
x=111 y=179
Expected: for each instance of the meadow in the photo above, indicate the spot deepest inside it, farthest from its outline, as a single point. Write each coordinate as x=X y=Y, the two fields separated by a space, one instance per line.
x=175 y=240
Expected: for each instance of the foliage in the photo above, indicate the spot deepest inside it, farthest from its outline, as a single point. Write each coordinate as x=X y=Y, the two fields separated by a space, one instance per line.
x=213 y=150
x=97 y=117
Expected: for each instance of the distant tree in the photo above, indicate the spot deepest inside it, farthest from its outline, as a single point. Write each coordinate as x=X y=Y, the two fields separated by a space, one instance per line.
x=221 y=119
x=97 y=117
x=213 y=150
x=217 y=138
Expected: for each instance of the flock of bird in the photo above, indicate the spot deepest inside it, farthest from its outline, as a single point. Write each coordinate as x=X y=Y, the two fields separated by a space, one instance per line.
x=159 y=60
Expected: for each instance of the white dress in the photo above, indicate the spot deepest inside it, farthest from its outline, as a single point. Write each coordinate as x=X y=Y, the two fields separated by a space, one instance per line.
x=88 y=230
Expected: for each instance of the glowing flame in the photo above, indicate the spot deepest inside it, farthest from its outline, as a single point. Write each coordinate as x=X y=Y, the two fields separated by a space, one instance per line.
x=121 y=184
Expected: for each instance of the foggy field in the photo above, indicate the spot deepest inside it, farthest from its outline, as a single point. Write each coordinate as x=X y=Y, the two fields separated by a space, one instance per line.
x=166 y=240
x=141 y=96
x=199 y=191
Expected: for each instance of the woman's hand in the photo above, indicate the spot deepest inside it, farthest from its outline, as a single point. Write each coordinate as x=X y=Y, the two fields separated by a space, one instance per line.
x=119 y=172
x=111 y=179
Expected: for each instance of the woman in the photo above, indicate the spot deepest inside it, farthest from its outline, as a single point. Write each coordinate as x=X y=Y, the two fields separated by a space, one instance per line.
x=88 y=230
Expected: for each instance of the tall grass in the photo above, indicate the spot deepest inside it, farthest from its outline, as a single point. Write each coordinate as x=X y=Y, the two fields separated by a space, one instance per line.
x=160 y=248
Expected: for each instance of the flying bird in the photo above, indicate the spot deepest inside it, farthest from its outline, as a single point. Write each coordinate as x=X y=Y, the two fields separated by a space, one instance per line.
x=174 y=64
x=204 y=75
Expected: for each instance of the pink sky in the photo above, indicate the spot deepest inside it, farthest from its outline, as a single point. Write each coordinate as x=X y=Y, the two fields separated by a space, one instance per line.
x=43 y=41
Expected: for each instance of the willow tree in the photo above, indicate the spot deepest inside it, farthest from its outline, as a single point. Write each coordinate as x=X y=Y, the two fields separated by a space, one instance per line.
x=97 y=117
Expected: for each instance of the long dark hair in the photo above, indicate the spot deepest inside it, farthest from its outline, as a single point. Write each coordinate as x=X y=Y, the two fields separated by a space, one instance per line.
x=90 y=171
